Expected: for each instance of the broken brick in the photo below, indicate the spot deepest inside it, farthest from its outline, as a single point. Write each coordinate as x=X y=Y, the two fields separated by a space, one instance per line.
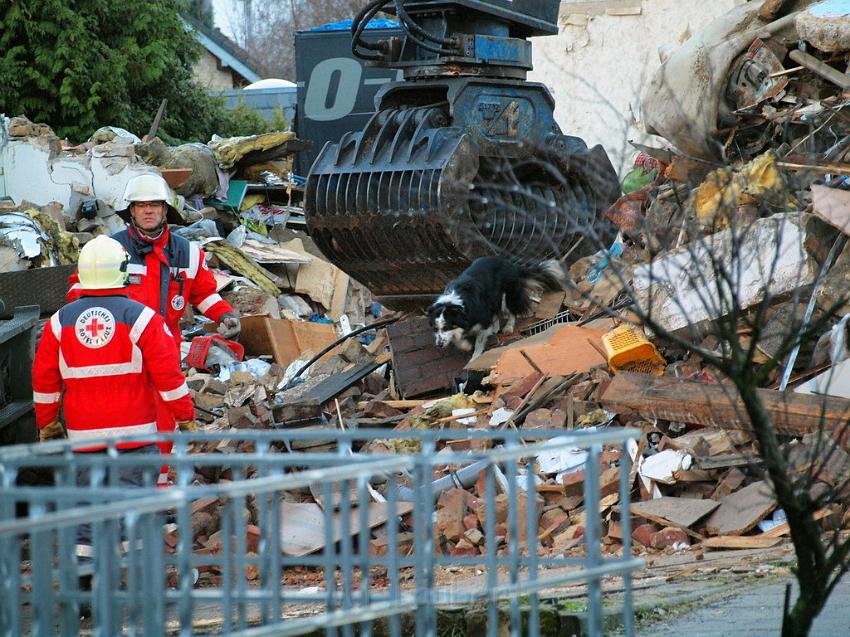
x=474 y=536
x=554 y=520
x=252 y=538
x=668 y=536
x=538 y=419
x=643 y=534
x=501 y=510
x=465 y=547
x=450 y=519
x=574 y=483
x=450 y=496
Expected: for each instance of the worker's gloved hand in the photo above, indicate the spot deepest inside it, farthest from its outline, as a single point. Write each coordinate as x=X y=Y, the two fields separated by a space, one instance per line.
x=51 y=431
x=187 y=425
x=229 y=325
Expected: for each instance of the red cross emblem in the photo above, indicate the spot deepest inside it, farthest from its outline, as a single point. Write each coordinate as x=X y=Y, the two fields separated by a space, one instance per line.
x=94 y=328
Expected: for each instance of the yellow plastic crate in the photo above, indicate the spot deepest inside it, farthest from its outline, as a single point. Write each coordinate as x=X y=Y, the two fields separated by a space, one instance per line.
x=629 y=350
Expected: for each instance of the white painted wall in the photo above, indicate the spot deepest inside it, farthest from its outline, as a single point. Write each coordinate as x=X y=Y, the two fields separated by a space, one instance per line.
x=596 y=70
x=30 y=171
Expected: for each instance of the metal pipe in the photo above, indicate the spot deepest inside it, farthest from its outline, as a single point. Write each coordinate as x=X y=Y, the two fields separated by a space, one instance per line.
x=462 y=479
x=823 y=69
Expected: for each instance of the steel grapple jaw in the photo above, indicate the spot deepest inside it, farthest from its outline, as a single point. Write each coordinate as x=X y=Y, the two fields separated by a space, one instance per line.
x=463 y=158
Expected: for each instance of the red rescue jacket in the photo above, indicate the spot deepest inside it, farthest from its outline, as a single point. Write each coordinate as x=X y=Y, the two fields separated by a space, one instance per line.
x=110 y=355
x=165 y=274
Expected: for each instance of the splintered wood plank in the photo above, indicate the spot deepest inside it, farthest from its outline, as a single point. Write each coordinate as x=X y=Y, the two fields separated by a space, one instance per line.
x=549 y=305
x=742 y=510
x=741 y=542
x=302 y=524
x=679 y=512
x=719 y=405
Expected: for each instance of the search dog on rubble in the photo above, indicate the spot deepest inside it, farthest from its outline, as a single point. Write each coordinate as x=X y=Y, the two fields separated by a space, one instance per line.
x=468 y=312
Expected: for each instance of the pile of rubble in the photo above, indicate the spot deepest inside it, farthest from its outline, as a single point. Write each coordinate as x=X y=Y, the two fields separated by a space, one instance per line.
x=237 y=197
x=732 y=191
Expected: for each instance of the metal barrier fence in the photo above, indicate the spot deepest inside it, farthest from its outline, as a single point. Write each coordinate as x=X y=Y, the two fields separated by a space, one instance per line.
x=145 y=563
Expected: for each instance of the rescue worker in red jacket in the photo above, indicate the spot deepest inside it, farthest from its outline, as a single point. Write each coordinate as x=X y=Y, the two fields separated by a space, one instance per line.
x=113 y=358
x=111 y=355
x=166 y=270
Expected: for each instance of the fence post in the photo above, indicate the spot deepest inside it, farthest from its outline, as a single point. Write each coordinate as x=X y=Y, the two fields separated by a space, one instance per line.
x=592 y=538
x=424 y=555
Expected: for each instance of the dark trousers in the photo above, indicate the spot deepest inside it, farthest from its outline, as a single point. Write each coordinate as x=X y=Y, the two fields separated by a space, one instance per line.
x=128 y=476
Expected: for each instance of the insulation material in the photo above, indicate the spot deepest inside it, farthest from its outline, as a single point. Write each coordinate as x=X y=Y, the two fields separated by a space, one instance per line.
x=229 y=151
x=724 y=190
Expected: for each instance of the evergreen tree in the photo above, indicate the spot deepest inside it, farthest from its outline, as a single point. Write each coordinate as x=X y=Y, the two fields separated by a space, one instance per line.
x=200 y=10
x=81 y=64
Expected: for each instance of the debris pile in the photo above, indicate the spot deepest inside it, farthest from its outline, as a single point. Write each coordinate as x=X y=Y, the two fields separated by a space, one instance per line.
x=735 y=191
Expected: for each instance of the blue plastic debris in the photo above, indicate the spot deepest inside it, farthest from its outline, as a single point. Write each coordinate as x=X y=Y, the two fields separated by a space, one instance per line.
x=604 y=259
x=345 y=25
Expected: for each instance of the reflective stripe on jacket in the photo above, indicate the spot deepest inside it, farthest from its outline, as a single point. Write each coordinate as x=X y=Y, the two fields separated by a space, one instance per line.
x=166 y=274
x=111 y=356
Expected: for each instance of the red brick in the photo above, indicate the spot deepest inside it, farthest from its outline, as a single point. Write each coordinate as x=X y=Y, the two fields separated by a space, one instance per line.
x=480 y=444
x=252 y=571
x=575 y=531
x=379 y=409
x=643 y=534
x=465 y=547
x=171 y=539
x=668 y=536
x=574 y=483
x=252 y=538
x=609 y=481
x=501 y=511
x=474 y=536
x=538 y=419
x=557 y=518
x=204 y=504
x=450 y=519
x=470 y=521
x=522 y=515
x=448 y=497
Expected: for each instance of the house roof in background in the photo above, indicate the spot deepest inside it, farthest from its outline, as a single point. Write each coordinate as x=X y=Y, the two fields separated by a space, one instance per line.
x=223 y=48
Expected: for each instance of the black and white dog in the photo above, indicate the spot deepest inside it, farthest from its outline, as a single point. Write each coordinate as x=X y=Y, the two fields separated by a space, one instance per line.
x=468 y=312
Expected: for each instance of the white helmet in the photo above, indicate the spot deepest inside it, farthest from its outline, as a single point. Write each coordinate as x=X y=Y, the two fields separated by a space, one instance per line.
x=103 y=264
x=148 y=187
x=151 y=187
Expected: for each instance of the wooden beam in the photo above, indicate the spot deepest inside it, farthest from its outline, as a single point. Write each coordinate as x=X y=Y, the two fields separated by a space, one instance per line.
x=719 y=405
x=741 y=542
